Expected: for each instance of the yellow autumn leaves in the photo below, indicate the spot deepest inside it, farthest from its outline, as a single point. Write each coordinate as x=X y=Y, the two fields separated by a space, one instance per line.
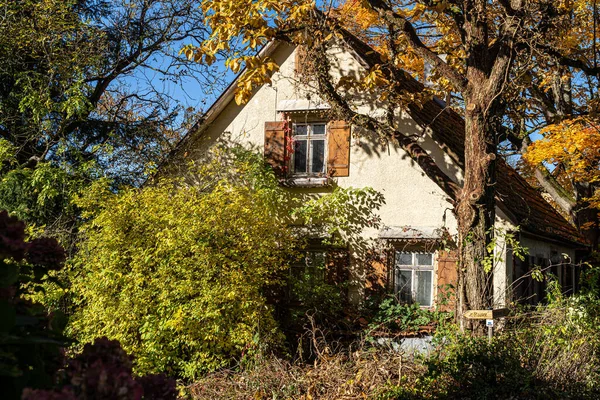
x=575 y=146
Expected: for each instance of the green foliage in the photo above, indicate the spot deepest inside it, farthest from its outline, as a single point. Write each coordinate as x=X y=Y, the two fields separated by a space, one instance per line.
x=563 y=341
x=43 y=196
x=75 y=104
x=342 y=214
x=483 y=370
x=314 y=295
x=392 y=316
x=176 y=275
x=506 y=240
x=549 y=352
x=180 y=274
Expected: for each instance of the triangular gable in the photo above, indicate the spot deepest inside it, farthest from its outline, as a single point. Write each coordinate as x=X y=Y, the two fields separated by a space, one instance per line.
x=522 y=203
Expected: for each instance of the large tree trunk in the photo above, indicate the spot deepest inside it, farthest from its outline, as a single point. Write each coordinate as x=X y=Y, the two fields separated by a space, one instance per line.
x=475 y=208
x=475 y=213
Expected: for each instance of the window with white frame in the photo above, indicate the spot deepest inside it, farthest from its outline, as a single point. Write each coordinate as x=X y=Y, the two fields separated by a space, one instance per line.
x=414 y=277
x=310 y=146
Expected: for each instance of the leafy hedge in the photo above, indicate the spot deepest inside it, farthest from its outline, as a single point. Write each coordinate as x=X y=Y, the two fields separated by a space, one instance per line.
x=177 y=276
x=180 y=274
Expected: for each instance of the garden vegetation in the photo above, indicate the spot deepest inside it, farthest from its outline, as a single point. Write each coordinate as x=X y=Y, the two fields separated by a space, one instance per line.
x=181 y=275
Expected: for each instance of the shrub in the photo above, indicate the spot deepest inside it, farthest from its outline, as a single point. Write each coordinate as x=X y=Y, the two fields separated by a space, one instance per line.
x=561 y=341
x=549 y=352
x=389 y=317
x=177 y=275
x=30 y=338
x=472 y=366
x=103 y=372
x=181 y=274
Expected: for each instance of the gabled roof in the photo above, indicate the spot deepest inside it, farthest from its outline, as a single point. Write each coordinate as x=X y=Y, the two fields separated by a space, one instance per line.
x=522 y=203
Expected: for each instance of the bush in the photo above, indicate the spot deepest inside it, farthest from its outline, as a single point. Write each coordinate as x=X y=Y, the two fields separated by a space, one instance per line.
x=314 y=295
x=103 y=372
x=549 y=352
x=181 y=274
x=472 y=366
x=391 y=317
x=30 y=338
x=177 y=275
x=561 y=341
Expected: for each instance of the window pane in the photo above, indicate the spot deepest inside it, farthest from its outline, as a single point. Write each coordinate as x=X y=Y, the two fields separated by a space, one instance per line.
x=425 y=259
x=315 y=261
x=300 y=156
x=424 y=287
x=403 y=258
x=404 y=285
x=318 y=129
x=301 y=130
x=318 y=156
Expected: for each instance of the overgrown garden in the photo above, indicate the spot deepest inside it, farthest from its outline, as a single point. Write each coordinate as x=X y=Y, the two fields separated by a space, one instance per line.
x=120 y=282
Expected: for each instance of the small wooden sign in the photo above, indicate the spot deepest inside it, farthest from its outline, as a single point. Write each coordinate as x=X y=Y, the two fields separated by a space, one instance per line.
x=486 y=314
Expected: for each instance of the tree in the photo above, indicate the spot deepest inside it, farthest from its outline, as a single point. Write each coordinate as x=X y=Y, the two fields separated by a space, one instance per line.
x=487 y=43
x=82 y=96
x=556 y=96
x=180 y=274
x=572 y=149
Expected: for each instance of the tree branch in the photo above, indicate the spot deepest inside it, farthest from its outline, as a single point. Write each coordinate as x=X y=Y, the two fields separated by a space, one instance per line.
x=404 y=26
x=341 y=108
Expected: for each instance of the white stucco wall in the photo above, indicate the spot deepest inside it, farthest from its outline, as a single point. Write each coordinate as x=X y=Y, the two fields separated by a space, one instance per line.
x=411 y=198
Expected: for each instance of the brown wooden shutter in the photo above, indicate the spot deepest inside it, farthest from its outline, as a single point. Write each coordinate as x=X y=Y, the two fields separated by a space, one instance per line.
x=275 y=146
x=300 y=60
x=338 y=156
x=379 y=272
x=447 y=275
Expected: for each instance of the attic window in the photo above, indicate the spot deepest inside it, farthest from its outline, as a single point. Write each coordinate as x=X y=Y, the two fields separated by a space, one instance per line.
x=310 y=143
x=308 y=152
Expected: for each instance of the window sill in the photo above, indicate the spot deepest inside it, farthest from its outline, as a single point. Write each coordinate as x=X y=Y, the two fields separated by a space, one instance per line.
x=307 y=182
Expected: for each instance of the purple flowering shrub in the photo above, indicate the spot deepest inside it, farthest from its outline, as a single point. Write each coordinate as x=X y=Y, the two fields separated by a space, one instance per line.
x=30 y=343
x=103 y=372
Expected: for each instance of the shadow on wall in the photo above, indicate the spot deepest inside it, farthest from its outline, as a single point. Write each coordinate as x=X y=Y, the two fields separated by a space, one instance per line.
x=369 y=102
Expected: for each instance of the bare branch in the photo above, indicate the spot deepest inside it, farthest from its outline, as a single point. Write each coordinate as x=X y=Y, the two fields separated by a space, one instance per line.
x=345 y=111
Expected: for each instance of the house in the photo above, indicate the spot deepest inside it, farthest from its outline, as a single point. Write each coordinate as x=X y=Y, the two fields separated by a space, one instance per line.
x=417 y=217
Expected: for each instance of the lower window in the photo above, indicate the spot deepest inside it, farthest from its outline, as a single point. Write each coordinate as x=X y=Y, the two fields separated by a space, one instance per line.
x=414 y=277
x=310 y=267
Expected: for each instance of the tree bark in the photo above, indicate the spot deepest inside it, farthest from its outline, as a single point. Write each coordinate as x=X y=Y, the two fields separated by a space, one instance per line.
x=475 y=212
x=475 y=209
x=487 y=67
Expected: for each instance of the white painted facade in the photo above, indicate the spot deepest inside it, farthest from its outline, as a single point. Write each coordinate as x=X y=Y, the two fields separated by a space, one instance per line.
x=411 y=198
